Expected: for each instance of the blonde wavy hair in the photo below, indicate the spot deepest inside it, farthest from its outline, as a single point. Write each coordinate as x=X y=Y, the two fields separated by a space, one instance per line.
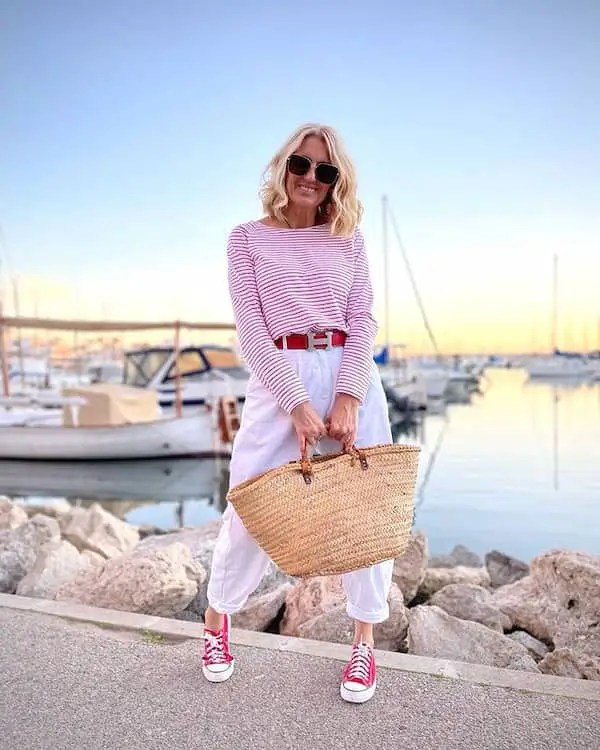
x=344 y=210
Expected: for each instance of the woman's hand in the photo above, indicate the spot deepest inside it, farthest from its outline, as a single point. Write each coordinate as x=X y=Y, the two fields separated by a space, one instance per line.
x=342 y=422
x=309 y=426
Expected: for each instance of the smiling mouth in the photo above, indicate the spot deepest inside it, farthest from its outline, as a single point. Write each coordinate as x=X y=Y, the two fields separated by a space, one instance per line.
x=307 y=189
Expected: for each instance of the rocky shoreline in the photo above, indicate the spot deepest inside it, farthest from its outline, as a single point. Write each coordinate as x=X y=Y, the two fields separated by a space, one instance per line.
x=539 y=617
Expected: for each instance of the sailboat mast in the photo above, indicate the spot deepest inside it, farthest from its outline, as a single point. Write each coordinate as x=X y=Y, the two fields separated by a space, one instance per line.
x=15 y=286
x=386 y=276
x=413 y=283
x=554 y=303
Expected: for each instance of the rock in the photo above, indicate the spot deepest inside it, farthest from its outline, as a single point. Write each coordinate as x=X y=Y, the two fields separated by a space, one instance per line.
x=273 y=579
x=148 y=529
x=409 y=568
x=504 y=569
x=460 y=555
x=436 y=578
x=432 y=632
x=536 y=648
x=11 y=516
x=98 y=530
x=558 y=602
x=19 y=549
x=469 y=602
x=58 y=508
x=200 y=542
x=57 y=563
x=159 y=582
x=564 y=662
x=308 y=598
x=92 y=557
x=261 y=609
x=336 y=626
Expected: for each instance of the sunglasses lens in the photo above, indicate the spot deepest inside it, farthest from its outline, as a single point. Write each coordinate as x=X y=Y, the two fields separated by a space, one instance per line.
x=326 y=173
x=298 y=165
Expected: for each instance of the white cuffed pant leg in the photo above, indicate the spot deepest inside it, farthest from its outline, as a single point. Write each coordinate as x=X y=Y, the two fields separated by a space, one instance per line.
x=267 y=439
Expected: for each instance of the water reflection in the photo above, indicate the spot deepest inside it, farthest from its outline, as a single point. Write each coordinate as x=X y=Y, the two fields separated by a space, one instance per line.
x=129 y=489
x=516 y=467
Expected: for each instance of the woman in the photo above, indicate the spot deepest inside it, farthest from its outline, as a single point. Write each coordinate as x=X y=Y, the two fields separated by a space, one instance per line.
x=302 y=300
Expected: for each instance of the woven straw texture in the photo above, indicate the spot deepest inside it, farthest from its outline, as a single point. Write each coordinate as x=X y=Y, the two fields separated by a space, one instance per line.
x=334 y=513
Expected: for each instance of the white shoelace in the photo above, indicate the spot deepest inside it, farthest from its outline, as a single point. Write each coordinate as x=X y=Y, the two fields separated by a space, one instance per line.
x=360 y=663
x=215 y=651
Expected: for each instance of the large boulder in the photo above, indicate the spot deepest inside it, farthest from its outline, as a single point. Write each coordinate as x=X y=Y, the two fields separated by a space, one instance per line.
x=565 y=662
x=308 y=598
x=160 y=582
x=55 y=509
x=336 y=626
x=96 y=529
x=409 y=568
x=11 y=515
x=504 y=569
x=200 y=541
x=469 y=602
x=535 y=647
x=261 y=608
x=437 y=578
x=558 y=602
x=19 y=549
x=57 y=563
x=432 y=632
x=460 y=555
x=201 y=544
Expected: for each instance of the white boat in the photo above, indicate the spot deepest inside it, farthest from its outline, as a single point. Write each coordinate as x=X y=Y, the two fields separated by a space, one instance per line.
x=207 y=373
x=189 y=435
x=558 y=366
x=436 y=380
x=119 y=422
x=404 y=390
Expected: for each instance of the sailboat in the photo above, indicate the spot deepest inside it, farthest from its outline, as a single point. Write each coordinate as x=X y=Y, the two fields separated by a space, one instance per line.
x=568 y=365
x=434 y=378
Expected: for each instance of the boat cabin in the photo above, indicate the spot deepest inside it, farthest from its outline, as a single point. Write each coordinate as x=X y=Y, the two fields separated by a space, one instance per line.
x=206 y=373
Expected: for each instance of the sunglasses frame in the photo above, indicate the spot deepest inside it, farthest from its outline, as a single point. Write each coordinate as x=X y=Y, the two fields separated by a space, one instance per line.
x=317 y=165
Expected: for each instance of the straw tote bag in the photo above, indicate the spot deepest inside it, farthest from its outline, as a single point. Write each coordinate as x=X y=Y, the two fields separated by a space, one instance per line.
x=333 y=513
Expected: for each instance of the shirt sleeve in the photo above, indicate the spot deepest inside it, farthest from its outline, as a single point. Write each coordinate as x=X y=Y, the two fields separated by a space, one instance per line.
x=355 y=370
x=265 y=360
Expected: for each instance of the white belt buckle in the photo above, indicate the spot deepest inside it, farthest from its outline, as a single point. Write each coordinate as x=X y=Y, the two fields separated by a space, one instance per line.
x=323 y=341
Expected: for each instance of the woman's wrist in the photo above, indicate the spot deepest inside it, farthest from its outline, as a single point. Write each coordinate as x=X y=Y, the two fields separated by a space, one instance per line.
x=348 y=398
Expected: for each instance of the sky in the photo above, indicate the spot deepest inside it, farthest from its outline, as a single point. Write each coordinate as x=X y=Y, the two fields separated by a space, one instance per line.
x=133 y=136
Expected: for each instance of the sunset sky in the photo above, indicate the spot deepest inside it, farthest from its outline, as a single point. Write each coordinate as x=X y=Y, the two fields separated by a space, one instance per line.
x=133 y=136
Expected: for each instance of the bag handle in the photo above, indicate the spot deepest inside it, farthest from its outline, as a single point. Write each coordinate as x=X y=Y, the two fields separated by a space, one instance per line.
x=354 y=452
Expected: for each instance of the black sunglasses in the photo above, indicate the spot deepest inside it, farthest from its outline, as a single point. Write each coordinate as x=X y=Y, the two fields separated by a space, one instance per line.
x=324 y=172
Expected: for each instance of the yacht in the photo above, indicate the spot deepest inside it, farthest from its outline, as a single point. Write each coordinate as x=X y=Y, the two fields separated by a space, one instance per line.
x=206 y=373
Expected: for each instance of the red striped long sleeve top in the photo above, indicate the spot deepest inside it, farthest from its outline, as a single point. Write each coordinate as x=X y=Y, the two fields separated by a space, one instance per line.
x=284 y=281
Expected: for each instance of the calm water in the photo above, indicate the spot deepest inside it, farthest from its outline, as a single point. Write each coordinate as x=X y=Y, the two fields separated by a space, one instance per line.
x=517 y=469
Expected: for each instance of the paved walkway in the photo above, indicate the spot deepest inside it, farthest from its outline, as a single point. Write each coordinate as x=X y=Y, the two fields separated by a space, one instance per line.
x=68 y=685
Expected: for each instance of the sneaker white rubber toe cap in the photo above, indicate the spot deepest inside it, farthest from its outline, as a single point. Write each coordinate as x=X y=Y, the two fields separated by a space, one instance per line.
x=355 y=692
x=218 y=672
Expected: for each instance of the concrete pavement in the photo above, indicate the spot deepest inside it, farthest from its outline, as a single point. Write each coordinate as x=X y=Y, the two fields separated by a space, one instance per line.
x=72 y=685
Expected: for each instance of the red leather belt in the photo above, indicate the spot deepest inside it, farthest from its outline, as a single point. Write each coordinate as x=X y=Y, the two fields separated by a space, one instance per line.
x=312 y=340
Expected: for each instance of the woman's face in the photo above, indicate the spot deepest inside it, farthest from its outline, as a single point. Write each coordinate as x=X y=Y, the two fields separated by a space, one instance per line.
x=305 y=191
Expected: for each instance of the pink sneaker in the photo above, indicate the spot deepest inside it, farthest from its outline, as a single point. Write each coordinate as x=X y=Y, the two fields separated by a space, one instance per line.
x=217 y=662
x=359 y=681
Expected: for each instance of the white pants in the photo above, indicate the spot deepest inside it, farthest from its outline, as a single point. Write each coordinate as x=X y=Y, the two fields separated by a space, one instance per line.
x=266 y=440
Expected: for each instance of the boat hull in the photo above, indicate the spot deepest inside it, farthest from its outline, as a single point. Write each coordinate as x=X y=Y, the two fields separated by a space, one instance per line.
x=177 y=437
